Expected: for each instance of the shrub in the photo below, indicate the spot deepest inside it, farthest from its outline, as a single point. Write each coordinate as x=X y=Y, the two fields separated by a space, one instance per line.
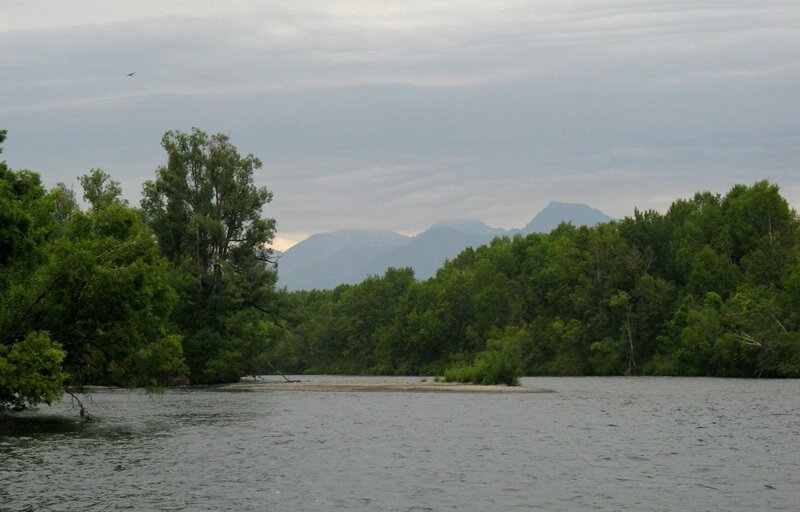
x=31 y=372
x=490 y=367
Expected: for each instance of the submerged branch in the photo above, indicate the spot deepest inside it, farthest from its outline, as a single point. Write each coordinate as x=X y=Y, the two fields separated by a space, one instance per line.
x=85 y=416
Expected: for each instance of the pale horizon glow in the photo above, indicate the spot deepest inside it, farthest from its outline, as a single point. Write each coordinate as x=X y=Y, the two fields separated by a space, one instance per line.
x=286 y=241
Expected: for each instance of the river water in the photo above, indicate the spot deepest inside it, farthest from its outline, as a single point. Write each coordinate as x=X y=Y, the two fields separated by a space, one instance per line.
x=596 y=444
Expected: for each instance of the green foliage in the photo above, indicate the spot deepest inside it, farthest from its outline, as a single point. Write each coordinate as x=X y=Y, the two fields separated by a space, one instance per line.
x=84 y=297
x=248 y=348
x=501 y=363
x=99 y=190
x=162 y=361
x=712 y=287
x=31 y=369
x=104 y=294
x=203 y=204
x=206 y=213
x=703 y=327
x=31 y=372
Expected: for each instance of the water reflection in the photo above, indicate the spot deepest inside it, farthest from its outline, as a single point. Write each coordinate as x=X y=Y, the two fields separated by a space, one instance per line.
x=36 y=424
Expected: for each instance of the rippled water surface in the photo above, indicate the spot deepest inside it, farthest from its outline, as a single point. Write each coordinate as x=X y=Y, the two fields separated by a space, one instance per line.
x=596 y=444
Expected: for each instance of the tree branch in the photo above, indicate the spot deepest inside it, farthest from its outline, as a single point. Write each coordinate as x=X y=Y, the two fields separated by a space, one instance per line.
x=85 y=416
x=281 y=373
x=746 y=339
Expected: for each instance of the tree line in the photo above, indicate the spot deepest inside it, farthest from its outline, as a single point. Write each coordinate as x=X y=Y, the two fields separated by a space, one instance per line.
x=709 y=288
x=182 y=289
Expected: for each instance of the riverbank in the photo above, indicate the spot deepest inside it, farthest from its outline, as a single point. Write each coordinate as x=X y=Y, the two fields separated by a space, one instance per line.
x=382 y=386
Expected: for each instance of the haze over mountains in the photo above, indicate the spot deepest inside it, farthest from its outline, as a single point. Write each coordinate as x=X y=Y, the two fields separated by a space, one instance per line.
x=327 y=260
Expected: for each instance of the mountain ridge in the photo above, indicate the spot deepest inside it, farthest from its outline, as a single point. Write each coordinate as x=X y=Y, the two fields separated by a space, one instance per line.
x=326 y=260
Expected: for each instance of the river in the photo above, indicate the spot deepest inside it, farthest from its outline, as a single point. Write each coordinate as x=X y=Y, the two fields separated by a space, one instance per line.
x=595 y=444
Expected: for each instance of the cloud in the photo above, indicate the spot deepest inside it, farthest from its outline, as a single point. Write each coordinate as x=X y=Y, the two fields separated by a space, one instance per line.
x=397 y=114
x=249 y=49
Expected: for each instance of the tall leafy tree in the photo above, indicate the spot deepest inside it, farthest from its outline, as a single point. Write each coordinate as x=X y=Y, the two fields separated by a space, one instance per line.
x=207 y=214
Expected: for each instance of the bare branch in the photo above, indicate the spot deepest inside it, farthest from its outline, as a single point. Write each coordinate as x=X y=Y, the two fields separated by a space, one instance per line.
x=281 y=373
x=778 y=322
x=746 y=339
x=85 y=416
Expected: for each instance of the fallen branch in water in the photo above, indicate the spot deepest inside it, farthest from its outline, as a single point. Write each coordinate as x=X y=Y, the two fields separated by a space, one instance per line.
x=85 y=416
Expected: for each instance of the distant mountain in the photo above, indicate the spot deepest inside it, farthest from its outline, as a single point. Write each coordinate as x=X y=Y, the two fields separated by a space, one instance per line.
x=327 y=260
x=348 y=266
x=428 y=251
x=469 y=226
x=348 y=257
x=556 y=212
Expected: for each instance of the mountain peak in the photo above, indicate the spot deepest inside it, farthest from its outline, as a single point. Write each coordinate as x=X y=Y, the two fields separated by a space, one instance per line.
x=326 y=260
x=557 y=212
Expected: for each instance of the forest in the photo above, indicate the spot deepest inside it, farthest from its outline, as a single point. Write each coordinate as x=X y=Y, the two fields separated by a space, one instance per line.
x=709 y=288
x=182 y=290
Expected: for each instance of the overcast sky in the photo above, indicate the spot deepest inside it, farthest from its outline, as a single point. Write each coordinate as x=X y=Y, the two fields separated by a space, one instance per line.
x=398 y=114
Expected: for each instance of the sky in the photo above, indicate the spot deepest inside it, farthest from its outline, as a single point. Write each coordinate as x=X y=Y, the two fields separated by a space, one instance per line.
x=398 y=114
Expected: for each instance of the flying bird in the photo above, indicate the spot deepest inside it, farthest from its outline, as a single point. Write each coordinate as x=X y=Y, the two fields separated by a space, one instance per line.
x=131 y=73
